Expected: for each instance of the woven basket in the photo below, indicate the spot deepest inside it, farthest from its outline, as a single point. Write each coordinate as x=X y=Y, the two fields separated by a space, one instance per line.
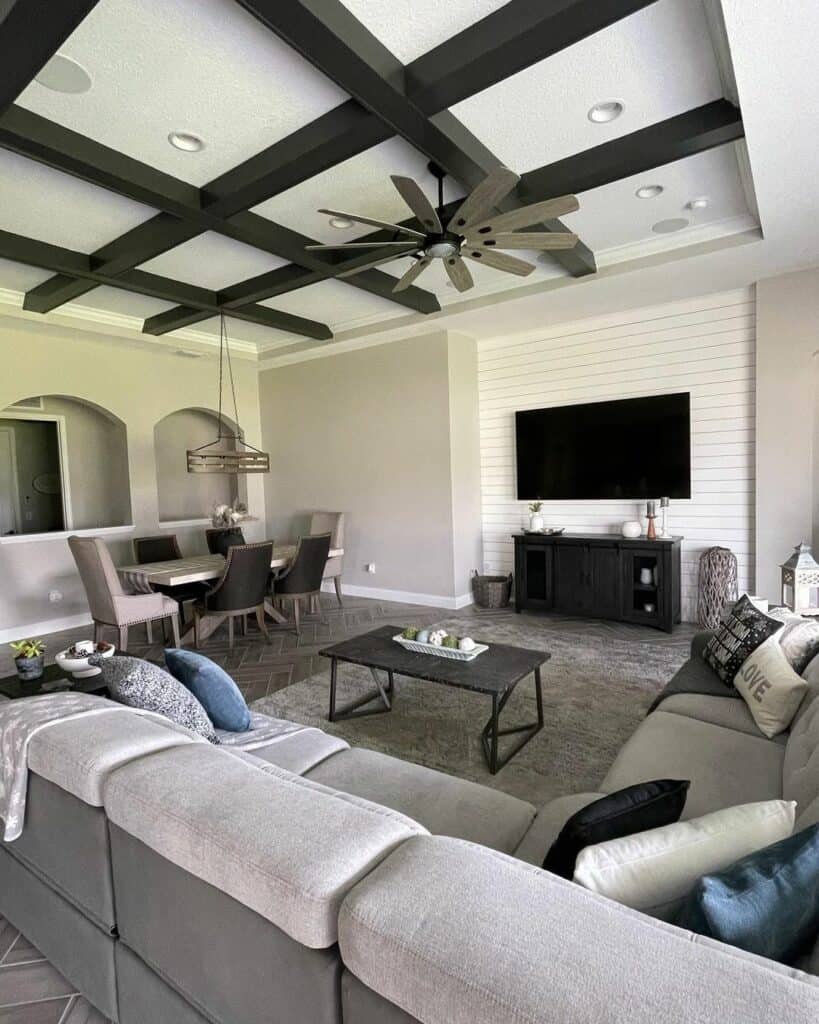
x=491 y=591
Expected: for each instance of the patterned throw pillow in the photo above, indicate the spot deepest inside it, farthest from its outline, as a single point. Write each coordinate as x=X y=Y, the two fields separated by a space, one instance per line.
x=799 y=639
x=745 y=629
x=141 y=684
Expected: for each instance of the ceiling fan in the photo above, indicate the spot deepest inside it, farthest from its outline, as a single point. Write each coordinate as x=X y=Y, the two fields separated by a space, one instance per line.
x=473 y=233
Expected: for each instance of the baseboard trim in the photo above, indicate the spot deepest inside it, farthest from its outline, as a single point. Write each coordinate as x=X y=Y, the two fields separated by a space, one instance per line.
x=404 y=596
x=34 y=629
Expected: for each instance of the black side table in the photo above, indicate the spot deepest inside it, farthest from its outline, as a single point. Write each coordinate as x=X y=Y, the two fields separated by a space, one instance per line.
x=12 y=687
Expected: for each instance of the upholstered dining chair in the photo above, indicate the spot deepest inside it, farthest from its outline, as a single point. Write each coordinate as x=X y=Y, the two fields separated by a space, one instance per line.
x=223 y=537
x=332 y=523
x=109 y=604
x=165 y=548
x=302 y=580
x=241 y=590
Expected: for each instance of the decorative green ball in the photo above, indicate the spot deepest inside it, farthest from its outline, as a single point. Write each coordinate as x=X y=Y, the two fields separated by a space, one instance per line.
x=410 y=633
x=450 y=641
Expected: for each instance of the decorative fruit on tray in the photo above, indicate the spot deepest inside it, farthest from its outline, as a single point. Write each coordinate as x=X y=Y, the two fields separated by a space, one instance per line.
x=436 y=637
x=466 y=643
x=450 y=641
x=423 y=636
x=410 y=633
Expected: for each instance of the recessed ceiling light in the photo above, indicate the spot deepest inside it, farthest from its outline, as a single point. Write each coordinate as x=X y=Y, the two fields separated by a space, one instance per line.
x=62 y=74
x=186 y=141
x=341 y=223
x=649 y=191
x=699 y=203
x=601 y=113
x=664 y=227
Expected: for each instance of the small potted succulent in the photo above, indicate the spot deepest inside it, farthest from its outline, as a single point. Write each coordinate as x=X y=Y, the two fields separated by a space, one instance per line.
x=535 y=518
x=29 y=658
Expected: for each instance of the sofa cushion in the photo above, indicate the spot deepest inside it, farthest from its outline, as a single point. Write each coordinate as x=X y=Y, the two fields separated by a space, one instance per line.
x=302 y=750
x=725 y=767
x=730 y=714
x=442 y=803
x=78 y=755
x=285 y=847
x=549 y=821
x=212 y=687
x=453 y=933
x=800 y=776
x=648 y=805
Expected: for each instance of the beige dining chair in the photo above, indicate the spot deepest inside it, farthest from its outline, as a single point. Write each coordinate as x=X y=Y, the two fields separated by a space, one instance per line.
x=332 y=523
x=109 y=604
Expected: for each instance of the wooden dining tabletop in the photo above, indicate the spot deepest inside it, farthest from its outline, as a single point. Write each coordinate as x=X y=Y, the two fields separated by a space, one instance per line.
x=200 y=568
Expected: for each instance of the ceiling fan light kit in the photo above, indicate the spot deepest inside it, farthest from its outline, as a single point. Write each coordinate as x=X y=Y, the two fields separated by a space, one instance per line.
x=472 y=233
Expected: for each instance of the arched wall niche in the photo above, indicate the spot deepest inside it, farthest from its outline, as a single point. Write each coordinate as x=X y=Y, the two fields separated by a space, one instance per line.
x=63 y=466
x=184 y=496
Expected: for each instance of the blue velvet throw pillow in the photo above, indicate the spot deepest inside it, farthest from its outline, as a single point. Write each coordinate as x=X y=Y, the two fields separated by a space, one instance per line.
x=767 y=903
x=212 y=687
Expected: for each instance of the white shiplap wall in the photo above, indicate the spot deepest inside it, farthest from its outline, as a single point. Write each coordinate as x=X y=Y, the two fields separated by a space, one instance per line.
x=705 y=346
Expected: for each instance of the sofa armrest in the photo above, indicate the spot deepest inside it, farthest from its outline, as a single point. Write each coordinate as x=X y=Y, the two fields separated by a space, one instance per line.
x=698 y=642
x=454 y=933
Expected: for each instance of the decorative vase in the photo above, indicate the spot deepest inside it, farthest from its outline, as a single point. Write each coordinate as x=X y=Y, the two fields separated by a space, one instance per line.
x=631 y=529
x=646 y=576
x=29 y=669
x=536 y=522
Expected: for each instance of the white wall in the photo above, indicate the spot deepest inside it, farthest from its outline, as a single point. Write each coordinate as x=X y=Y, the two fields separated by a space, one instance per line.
x=704 y=346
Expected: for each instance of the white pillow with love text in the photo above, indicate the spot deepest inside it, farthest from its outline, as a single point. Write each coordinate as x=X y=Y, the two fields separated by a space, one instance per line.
x=770 y=687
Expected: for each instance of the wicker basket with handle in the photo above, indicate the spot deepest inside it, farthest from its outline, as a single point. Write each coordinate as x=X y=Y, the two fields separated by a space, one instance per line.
x=491 y=591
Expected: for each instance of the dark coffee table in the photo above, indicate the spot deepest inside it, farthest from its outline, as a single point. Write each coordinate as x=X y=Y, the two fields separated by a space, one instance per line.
x=11 y=686
x=496 y=673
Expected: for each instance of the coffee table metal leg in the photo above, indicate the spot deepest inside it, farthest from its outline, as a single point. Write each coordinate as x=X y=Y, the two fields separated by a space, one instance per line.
x=356 y=708
x=492 y=732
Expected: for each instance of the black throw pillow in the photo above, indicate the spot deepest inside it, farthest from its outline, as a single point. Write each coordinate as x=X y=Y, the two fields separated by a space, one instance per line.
x=633 y=809
x=745 y=629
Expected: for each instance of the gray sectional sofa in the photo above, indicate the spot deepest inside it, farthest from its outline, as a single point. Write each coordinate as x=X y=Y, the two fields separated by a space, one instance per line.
x=311 y=883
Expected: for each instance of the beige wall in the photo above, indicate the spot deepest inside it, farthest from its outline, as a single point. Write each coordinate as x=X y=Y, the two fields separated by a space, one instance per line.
x=369 y=433
x=139 y=386
x=786 y=483
x=184 y=495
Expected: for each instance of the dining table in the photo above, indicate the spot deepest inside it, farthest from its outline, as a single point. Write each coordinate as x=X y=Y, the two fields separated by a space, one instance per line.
x=177 y=572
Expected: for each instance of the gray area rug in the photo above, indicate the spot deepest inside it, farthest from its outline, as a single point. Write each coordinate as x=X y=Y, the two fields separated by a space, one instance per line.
x=597 y=687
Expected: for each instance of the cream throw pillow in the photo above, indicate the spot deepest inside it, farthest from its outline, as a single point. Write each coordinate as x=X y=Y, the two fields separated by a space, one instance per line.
x=770 y=687
x=652 y=871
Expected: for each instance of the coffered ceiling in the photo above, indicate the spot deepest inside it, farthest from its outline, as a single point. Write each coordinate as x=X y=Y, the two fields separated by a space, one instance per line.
x=306 y=105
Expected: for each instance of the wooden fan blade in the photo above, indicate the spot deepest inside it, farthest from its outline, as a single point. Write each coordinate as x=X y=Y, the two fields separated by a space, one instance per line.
x=412 y=194
x=373 y=263
x=499 y=261
x=550 y=209
x=406 y=244
x=458 y=273
x=483 y=197
x=531 y=240
x=417 y=268
x=376 y=223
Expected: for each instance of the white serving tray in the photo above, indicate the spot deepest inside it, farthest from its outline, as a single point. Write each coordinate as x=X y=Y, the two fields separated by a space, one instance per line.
x=441 y=652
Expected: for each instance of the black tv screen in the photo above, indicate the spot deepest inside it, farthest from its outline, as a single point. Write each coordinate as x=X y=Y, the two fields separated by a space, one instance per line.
x=631 y=448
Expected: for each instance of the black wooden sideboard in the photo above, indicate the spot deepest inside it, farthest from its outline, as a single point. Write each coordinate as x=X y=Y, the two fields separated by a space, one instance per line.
x=600 y=575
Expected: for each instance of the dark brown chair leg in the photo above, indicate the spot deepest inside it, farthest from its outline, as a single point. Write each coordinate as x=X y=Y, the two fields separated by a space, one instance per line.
x=244 y=625
x=123 y=638
x=337 y=581
x=262 y=625
x=297 y=614
x=230 y=632
x=175 y=630
x=196 y=630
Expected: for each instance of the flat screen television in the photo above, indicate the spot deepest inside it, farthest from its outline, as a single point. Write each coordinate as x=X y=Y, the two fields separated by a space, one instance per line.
x=630 y=448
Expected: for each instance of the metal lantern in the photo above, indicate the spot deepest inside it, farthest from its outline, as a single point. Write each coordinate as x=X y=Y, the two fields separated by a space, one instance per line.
x=800 y=581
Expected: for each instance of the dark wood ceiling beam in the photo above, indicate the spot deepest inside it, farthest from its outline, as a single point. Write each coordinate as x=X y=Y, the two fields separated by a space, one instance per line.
x=35 y=253
x=31 y=32
x=517 y=35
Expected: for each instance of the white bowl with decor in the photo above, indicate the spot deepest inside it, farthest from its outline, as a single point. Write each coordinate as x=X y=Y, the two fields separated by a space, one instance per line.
x=74 y=660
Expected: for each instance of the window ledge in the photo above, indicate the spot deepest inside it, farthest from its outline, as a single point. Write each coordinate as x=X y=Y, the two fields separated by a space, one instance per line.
x=176 y=524
x=99 y=531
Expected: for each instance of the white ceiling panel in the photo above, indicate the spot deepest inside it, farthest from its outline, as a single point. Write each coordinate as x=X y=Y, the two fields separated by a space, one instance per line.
x=358 y=185
x=19 y=278
x=612 y=215
x=212 y=261
x=336 y=304
x=659 y=62
x=54 y=207
x=411 y=27
x=202 y=66
x=115 y=300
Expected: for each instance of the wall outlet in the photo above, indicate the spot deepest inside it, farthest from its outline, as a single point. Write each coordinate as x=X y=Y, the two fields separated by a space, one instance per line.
x=55 y=595
x=370 y=567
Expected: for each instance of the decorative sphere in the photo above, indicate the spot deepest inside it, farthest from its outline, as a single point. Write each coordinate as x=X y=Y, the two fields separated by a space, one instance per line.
x=631 y=529
x=466 y=643
x=423 y=636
